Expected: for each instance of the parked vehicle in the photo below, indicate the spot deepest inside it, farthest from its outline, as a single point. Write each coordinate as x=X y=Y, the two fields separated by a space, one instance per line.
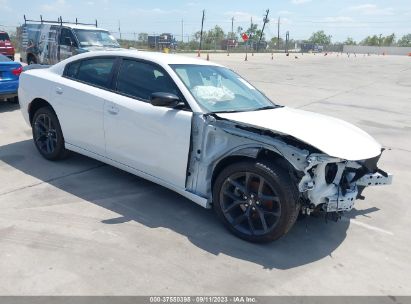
x=162 y=41
x=203 y=131
x=9 y=78
x=6 y=47
x=50 y=42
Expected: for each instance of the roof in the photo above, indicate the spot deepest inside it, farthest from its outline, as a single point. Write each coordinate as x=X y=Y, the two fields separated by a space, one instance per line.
x=159 y=58
x=70 y=25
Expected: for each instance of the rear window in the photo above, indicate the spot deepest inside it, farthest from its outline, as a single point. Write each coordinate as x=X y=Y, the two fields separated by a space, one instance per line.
x=4 y=36
x=92 y=71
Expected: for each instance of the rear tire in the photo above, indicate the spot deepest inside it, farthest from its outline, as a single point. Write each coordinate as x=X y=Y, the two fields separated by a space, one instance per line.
x=256 y=201
x=47 y=135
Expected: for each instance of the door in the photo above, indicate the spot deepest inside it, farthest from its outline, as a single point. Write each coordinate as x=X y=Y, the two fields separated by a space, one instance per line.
x=67 y=43
x=155 y=140
x=79 y=102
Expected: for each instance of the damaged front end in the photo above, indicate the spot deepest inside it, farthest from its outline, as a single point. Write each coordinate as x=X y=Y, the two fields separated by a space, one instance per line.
x=332 y=184
x=326 y=184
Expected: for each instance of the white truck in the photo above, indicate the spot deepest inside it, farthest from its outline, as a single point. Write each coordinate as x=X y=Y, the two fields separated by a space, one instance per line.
x=49 y=42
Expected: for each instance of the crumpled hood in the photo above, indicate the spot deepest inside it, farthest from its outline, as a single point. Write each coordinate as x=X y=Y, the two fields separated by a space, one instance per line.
x=332 y=136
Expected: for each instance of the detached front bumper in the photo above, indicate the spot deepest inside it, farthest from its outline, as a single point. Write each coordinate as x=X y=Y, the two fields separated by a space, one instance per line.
x=333 y=185
x=346 y=202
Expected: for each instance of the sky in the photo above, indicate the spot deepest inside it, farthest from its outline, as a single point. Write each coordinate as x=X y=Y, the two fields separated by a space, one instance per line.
x=338 y=18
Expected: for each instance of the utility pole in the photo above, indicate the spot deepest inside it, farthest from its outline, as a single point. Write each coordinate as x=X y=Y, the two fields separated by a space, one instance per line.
x=201 y=33
x=119 y=28
x=232 y=28
x=265 y=20
x=278 y=34
x=287 y=38
x=251 y=31
x=182 y=30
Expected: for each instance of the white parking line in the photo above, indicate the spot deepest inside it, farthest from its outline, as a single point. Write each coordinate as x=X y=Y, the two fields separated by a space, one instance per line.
x=369 y=227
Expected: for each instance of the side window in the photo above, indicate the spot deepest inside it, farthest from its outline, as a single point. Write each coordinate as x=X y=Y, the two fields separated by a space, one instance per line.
x=72 y=69
x=66 y=34
x=92 y=71
x=140 y=80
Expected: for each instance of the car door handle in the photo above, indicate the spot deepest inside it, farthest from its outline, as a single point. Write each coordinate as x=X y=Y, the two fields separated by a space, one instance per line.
x=113 y=110
x=59 y=90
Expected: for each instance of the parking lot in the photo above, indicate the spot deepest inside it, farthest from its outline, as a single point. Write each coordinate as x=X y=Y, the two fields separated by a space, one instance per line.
x=81 y=227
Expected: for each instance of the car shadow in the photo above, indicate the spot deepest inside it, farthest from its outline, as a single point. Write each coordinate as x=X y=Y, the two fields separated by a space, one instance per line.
x=6 y=106
x=136 y=199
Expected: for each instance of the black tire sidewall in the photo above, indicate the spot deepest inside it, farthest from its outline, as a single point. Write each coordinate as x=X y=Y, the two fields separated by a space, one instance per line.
x=279 y=179
x=60 y=150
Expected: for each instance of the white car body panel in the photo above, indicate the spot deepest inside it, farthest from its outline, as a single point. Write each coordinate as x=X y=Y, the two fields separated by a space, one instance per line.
x=332 y=136
x=80 y=111
x=154 y=140
x=191 y=196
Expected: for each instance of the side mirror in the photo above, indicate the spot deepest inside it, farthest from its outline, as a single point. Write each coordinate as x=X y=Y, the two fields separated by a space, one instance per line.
x=68 y=41
x=161 y=99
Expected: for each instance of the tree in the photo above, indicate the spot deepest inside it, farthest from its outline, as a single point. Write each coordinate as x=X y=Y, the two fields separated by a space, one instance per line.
x=252 y=31
x=274 y=42
x=389 y=40
x=320 y=38
x=405 y=40
x=379 y=40
x=211 y=38
x=371 y=41
x=216 y=33
x=350 y=41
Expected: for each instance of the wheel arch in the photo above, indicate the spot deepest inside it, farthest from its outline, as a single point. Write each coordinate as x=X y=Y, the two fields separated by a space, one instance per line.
x=36 y=104
x=257 y=154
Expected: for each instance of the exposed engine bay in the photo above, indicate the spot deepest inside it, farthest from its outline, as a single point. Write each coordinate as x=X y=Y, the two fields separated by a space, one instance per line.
x=325 y=183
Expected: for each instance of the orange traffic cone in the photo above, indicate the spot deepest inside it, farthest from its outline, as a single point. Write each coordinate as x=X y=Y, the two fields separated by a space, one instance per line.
x=208 y=57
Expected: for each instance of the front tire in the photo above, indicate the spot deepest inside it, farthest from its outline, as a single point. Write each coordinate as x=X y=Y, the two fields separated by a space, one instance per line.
x=256 y=201
x=47 y=135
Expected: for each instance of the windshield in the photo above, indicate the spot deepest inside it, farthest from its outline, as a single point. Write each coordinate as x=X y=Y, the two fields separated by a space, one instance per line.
x=219 y=89
x=95 y=38
x=4 y=36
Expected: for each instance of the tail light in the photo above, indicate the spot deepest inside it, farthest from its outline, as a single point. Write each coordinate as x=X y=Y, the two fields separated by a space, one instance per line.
x=17 y=71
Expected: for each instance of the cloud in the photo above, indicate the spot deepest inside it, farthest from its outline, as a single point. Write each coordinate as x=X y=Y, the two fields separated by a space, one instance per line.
x=339 y=19
x=371 y=9
x=192 y=3
x=284 y=12
x=4 y=4
x=157 y=11
x=300 y=1
x=56 y=6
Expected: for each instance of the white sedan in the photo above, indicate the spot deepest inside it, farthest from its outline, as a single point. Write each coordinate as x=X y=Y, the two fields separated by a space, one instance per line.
x=202 y=130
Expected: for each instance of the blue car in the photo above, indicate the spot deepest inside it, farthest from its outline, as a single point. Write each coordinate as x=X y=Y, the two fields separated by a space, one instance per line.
x=9 y=78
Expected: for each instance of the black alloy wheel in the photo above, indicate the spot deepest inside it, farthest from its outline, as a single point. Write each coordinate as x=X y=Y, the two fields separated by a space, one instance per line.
x=47 y=134
x=256 y=201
